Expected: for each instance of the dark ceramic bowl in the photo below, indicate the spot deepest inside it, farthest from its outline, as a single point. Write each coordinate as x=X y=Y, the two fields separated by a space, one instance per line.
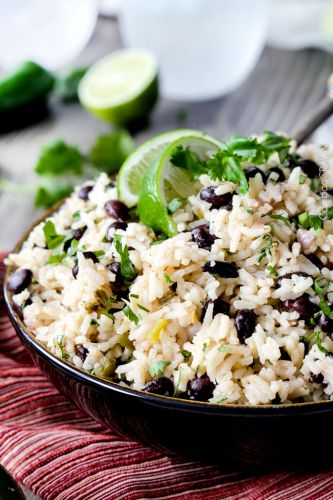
x=297 y=433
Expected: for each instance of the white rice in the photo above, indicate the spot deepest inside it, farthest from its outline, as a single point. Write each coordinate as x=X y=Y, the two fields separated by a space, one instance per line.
x=61 y=315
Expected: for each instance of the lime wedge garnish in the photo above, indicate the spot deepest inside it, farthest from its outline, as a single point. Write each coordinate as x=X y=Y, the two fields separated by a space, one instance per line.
x=121 y=87
x=132 y=172
x=164 y=182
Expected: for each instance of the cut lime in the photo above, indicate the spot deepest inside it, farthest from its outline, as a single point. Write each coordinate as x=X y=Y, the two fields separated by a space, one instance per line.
x=164 y=182
x=134 y=168
x=121 y=87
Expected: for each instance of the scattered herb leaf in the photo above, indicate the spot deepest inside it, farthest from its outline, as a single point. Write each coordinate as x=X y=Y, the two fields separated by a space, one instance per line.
x=157 y=369
x=58 y=158
x=167 y=279
x=126 y=267
x=111 y=150
x=52 y=238
x=131 y=315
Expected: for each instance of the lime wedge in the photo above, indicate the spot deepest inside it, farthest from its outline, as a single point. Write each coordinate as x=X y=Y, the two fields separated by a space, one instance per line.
x=132 y=172
x=121 y=87
x=164 y=182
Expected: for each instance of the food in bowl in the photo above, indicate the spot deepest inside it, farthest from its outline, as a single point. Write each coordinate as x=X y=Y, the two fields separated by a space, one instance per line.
x=221 y=295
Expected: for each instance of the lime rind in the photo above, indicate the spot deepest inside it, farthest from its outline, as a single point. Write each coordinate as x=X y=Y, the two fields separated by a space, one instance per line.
x=135 y=166
x=163 y=182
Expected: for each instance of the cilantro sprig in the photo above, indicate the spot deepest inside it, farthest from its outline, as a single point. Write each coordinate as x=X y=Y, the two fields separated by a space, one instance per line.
x=127 y=270
x=52 y=238
x=227 y=163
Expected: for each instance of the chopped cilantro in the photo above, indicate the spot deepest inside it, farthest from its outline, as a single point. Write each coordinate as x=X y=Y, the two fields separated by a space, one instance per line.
x=131 y=315
x=319 y=284
x=280 y=217
x=126 y=267
x=99 y=253
x=58 y=158
x=308 y=221
x=302 y=179
x=249 y=211
x=167 y=279
x=326 y=308
x=204 y=347
x=272 y=271
x=52 y=238
x=188 y=160
x=217 y=399
x=60 y=343
x=76 y=216
x=157 y=369
x=175 y=204
x=134 y=295
x=186 y=355
x=182 y=114
x=224 y=348
x=94 y=321
x=56 y=259
x=34 y=282
x=315 y=184
x=265 y=250
x=142 y=308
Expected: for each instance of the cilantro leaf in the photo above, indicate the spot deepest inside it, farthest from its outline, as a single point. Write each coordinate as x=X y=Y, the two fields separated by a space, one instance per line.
x=157 y=369
x=57 y=258
x=126 y=267
x=186 y=355
x=275 y=143
x=58 y=158
x=52 y=238
x=272 y=271
x=131 y=315
x=190 y=161
x=217 y=399
x=167 y=279
x=111 y=150
x=224 y=348
x=228 y=168
x=246 y=148
x=308 y=221
x=67 y=85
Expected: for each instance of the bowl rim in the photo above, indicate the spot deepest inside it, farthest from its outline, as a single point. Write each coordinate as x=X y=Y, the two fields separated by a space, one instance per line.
x=240 y=409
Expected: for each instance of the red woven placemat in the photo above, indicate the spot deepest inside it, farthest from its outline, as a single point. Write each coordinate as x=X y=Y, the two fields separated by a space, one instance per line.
x=58 y=452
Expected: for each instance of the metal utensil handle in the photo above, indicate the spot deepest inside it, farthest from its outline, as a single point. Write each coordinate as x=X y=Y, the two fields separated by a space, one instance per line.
x=311 y=122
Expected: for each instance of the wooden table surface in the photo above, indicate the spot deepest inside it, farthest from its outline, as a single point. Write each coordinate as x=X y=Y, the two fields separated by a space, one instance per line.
x=284 y=86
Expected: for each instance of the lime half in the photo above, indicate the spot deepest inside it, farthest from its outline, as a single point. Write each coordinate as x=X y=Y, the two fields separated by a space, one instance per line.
x=164 y=182
x=132 y=172
x=121 y=87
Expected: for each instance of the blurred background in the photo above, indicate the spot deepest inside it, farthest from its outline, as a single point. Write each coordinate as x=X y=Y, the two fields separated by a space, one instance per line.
x=225 y=66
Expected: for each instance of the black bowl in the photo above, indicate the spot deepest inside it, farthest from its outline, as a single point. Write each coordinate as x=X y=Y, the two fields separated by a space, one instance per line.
x=267 y=434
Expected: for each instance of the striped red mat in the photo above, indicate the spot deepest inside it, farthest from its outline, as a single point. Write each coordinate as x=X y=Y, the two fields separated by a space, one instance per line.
x=59 y=453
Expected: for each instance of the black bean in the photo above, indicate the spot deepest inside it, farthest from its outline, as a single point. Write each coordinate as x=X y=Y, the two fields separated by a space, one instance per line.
x=303 y=306
x=200 y=388
x=325 y=324
x=160 y=385
x=114 y=267
x=87 y=255
x=90 y=255
x=315 y=260
x=329 y=191
x=276 y=400
x=253 y=171
x=277 y=170
x=217 y=200
x=223 y=269
x=83 y=193
x=202 y=237
x=79 y=232
x=67 y=244
x=82 y=352
x=292 y=160
x=288 y=276
x=310 y=168
x=19 y=280
x=75 y=271
x=219 y=306
x=245 y=322
x=284 y=354
x=117 y=210
x=114 y=227
x=316 y=378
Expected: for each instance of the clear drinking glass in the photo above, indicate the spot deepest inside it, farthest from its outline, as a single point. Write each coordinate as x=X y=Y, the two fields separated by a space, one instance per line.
x=206 y=48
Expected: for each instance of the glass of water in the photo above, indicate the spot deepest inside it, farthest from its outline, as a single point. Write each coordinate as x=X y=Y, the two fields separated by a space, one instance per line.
x=205 y=48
